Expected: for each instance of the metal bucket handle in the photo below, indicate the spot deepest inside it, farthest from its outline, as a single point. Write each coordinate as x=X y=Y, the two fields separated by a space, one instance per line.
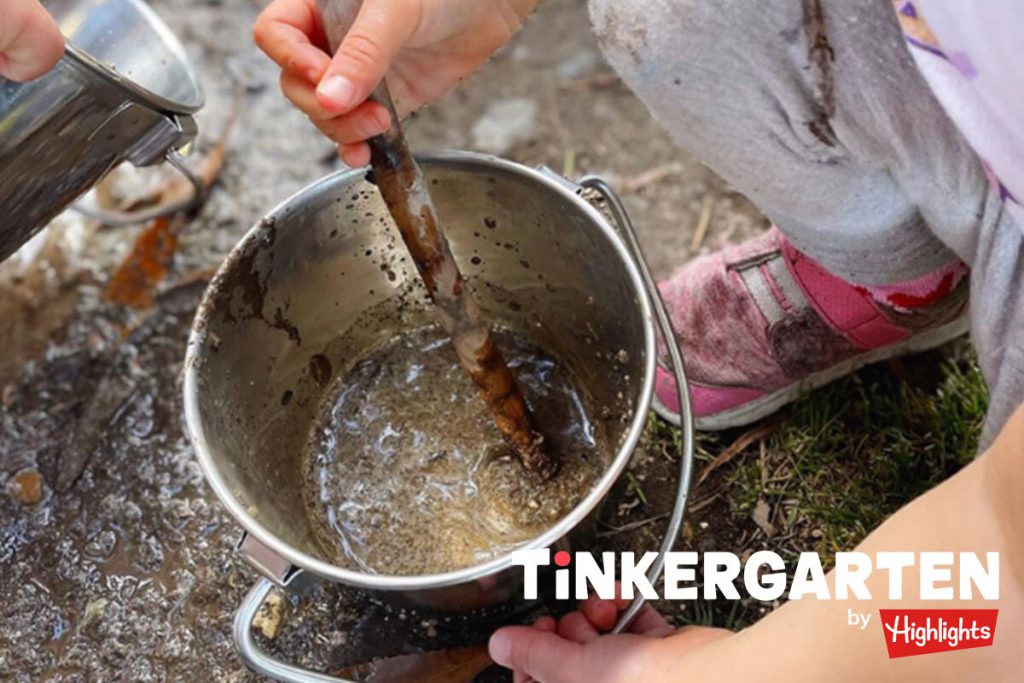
x=116 y=218
x=675 y=523
x=266 y=664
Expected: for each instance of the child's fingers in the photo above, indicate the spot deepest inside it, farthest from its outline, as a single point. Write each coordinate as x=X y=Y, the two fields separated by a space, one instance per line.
x=30 y=41
x=543 y=624
x=544 y=656
x=547 y=624
x=380 y=30
x=618 y=603
x=355 y=155
x=366 y=121
x=302 y=94
x=600 y=613
x=289 y=32
x=577 y=628
x=350 y=130
x=603 y=615
x=649 y=622
x=308 y=61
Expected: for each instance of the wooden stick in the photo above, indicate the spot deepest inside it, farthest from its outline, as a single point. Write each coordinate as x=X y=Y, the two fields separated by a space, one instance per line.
x=401 y=183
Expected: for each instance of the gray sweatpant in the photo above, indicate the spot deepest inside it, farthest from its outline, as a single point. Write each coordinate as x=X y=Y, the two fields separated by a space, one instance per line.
x=816 y=111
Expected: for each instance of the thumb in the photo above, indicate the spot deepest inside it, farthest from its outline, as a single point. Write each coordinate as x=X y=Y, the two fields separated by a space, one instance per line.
x=380 y=30
x=542 y=655
x=30 y=41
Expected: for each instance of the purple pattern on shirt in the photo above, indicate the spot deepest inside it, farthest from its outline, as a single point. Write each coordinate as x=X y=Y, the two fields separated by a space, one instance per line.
x=925 y=46
x=908 y=10
x=963 y=64
x=1004 y=192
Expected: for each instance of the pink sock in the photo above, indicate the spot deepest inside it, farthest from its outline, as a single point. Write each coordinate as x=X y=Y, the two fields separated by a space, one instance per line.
x=919 y=292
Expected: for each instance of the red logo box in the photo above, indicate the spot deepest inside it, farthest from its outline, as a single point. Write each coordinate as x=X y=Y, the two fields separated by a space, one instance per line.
x=913 y=632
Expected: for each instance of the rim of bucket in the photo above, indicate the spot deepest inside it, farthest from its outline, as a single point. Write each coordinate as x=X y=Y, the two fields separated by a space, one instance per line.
x=393 y=582
x=198 y=98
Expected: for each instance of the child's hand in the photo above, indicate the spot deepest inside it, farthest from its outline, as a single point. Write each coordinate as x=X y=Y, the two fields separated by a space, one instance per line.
x=30 y=42
x=573 y=649
x=424 y=46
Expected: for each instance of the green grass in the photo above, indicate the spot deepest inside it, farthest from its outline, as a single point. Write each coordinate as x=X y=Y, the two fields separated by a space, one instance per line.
x=839 y=462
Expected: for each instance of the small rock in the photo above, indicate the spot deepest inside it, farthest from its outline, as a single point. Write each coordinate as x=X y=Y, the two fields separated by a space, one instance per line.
x=26 y=487
x=505 y=124
x=268 y=618
x=581 y=64
x=93 y=611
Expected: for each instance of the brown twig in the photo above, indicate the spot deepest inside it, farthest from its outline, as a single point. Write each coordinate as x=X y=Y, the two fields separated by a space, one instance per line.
x=651 y=176
x=702 y=224
x=601 y=80
x=736 y=447
x=632 y=526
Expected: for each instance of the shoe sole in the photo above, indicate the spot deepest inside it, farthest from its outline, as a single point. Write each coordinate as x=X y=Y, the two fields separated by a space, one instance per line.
x=757 y=409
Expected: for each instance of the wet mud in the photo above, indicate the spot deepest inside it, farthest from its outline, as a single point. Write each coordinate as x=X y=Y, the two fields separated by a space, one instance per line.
x=125 y=567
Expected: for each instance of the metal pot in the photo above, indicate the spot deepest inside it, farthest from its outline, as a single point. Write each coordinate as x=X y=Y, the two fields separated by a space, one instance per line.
x=123 y=91
x=314 y=285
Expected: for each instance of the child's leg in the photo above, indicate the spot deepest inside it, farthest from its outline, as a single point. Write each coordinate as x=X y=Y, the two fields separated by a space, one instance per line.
x=816 y=111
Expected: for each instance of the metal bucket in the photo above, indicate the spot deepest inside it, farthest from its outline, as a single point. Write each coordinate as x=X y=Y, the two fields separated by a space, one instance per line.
x=320 y=282
x=123 y=91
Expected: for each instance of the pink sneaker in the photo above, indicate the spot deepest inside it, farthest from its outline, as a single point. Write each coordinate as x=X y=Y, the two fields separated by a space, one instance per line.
x=759 y=324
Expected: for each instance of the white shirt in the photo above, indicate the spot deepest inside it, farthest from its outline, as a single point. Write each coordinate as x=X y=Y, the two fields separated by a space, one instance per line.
x=971 y=52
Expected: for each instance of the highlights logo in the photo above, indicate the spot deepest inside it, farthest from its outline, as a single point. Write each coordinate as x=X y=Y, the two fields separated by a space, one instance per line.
x=924 y=631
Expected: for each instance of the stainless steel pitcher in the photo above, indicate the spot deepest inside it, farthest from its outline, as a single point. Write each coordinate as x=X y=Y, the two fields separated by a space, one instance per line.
x=123 y=91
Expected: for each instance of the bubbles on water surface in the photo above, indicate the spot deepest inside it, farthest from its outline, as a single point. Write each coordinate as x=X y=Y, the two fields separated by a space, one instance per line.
x=408 y=475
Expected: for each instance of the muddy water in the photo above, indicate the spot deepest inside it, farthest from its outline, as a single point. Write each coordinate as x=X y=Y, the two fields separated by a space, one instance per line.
x=408 y=474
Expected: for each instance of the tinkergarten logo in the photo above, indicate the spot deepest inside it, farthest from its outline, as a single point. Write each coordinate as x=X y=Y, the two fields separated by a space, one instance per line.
x=763 y=576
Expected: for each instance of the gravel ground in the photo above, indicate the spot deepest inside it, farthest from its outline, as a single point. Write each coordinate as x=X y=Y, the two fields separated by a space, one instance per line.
x=124 y=569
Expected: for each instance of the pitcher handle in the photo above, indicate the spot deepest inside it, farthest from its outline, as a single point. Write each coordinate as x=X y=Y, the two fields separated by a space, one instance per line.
x=116 y=218
x=258 y=659
x=626 y=228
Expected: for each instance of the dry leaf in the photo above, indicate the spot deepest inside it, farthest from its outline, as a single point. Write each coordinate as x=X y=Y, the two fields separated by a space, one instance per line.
x=26 y=487
x=146 y=264
x=268 y=619
x=761 y=514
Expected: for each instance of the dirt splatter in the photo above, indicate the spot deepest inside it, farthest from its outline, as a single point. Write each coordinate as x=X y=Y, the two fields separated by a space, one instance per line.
x=248 y=279
x=821 y=56
x=620 y=31
x=320 y=369
x=286 y=326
